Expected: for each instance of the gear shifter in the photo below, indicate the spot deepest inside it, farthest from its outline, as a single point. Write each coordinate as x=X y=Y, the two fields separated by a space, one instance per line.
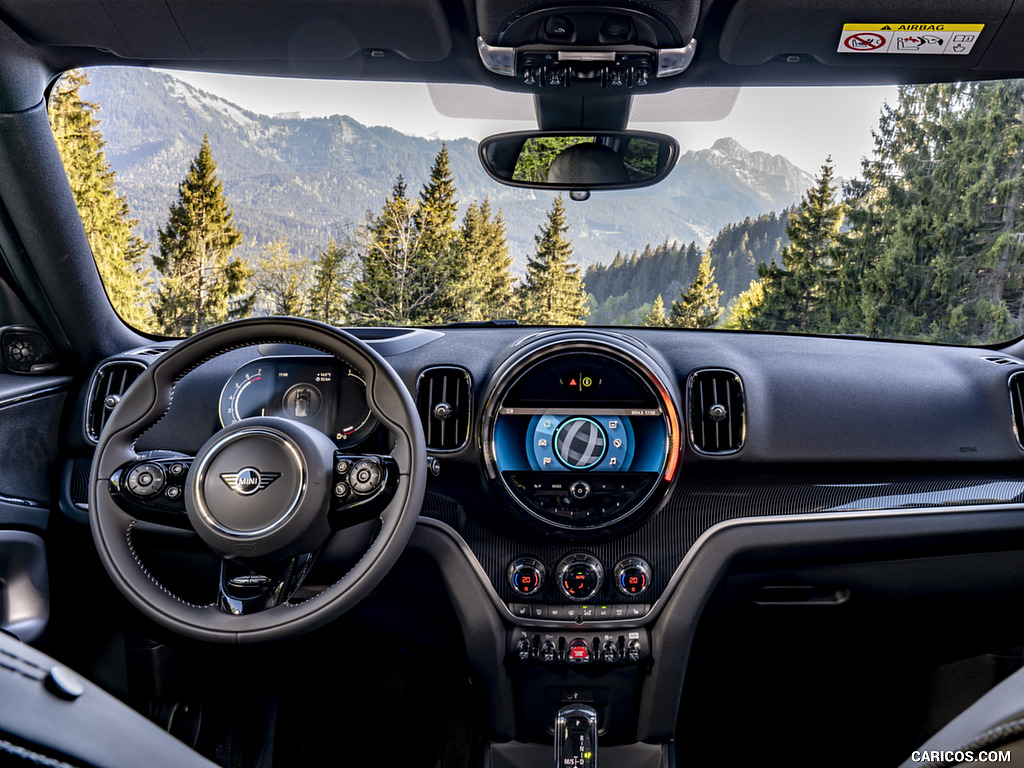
x=576 y=737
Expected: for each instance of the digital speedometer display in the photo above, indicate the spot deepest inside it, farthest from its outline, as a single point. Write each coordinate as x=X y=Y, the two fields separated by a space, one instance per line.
x=323 y=392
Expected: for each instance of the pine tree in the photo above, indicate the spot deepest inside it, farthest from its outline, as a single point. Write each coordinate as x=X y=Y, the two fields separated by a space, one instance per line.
x=439 y=243
x=698 y=306
x=553 y=293
x=743 y=309
x=282 y=282
x=436 y=213
x=398 y=284
x=483 y=288
x=655 y=317
x=934 y=220
x=200 y=284
x=806 y=292
x=105 y=216
x=332 y=280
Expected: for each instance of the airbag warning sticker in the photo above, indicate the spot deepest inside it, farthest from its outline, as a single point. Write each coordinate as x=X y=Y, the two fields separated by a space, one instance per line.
x=943 y=39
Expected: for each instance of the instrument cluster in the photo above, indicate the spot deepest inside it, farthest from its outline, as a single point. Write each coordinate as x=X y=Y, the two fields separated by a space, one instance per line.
x=321 y=391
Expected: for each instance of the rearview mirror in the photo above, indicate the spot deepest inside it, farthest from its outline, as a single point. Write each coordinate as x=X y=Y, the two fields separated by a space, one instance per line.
x=579 y=160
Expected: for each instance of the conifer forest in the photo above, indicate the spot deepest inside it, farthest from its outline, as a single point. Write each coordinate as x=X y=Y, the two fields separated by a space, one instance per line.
x=926 y=243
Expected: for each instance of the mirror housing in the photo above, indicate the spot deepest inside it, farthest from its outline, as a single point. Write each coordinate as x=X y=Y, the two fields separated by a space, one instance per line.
x=579 y=160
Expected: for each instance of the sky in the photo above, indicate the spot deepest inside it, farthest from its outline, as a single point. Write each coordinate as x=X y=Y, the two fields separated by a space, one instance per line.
x=803 y=124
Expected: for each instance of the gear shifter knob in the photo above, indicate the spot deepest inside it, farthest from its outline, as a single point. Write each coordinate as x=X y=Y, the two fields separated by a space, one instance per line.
x=576 y=737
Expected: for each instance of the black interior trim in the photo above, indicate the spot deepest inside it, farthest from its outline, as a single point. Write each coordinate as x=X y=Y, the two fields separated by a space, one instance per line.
x=790 y=541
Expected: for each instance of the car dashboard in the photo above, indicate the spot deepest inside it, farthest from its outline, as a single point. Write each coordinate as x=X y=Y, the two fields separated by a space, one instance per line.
x=610 y=508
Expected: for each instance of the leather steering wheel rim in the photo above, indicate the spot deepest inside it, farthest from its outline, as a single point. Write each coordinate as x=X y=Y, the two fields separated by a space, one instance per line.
x=148 y=400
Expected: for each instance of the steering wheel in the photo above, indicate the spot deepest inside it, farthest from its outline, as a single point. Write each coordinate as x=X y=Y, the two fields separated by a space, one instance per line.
x=264 y=494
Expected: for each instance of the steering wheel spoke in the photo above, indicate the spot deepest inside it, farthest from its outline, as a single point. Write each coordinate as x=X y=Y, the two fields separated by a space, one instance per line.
x=245 y=589
x=362 y=488
x=152 y=489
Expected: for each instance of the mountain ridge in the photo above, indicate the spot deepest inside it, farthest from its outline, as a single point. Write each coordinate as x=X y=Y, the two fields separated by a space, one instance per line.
x=313 y=178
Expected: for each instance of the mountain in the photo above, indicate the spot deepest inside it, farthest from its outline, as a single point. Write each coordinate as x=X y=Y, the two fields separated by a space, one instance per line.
x=313 y=178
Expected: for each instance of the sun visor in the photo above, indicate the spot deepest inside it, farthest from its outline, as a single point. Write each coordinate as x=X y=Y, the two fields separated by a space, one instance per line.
x=239 y=30
x=937 y=33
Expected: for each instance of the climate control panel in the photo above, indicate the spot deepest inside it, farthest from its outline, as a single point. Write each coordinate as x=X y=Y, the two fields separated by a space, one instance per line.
x=579 y=588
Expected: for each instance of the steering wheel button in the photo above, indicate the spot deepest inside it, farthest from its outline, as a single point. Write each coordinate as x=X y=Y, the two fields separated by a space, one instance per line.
x=343 y=466
x=173 y=492
x=341 y=490
x=177 y=468
x=146 y=480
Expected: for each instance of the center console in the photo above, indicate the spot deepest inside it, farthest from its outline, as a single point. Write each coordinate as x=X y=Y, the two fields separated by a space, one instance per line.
x=582 y=439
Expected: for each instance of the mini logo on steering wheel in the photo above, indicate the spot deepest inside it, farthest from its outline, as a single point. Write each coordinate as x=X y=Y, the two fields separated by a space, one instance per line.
x=247 y=481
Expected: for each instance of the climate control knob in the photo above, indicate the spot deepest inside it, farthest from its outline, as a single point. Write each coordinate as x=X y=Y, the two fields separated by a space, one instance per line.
x=632 y=576
x=526 y=575
x=580 y=576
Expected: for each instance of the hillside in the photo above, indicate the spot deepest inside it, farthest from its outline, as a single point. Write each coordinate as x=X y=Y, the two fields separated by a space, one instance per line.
x=309 y=179
x=621 y=292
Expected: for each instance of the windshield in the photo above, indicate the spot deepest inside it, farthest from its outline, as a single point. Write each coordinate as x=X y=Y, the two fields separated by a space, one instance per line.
x=885 y=212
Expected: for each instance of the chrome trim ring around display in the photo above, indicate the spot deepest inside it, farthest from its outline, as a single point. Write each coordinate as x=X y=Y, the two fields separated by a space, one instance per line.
x=519 y=364
x=215 y=450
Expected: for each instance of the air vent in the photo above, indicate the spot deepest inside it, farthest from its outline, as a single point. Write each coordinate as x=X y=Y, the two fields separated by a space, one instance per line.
x=715 y=400
x=110 y=382
x=444 y=401
x=1017 y=406
x=1004 y=360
